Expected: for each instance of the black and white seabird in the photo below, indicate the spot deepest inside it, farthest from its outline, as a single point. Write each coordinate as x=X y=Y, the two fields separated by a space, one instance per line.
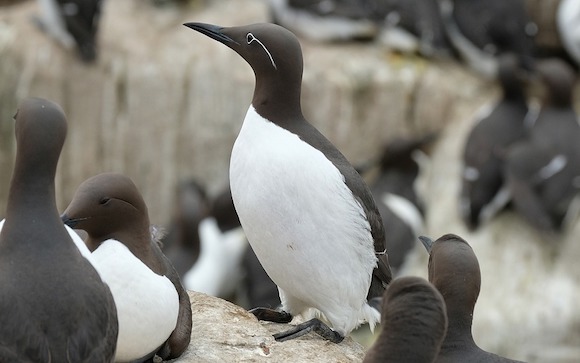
x=394 y=190
x=454 y=270
x=481 y=30
x=209 y=250
x=218 y=270
x=73 y=22
x=153 y=308
x=255 y=288
x=326 y=20
x=181 y=243
x=206 y=241
x=568 y=24
x=54 y=306
x=497 y=127
x=413 y=321
x=306 y=212
x=413 y=26
x=543 y=171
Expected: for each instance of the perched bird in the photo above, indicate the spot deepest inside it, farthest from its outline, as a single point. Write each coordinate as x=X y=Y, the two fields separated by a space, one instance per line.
x=209 y=250
x=326 y=20
x=454 y=270
x=414 y=322
x=182 y=244
x=258 y=287
x=153 y=308
x=255 y=287
x=72 y=23
x=413 y=26
x=497 y=127
x=307 y=213
x=394 y=191
x=217 y=272
x=568 y=24
x=54 y=306
x=543 y=171
x=482 y=30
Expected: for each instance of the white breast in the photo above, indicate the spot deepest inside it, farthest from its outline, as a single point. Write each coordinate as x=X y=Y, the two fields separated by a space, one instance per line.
x=147 y=303
x=309 y=233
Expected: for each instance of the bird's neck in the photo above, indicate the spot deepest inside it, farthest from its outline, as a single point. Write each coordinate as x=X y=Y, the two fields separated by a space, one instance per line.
x=459 y=329
x=32 y=192
x=277 y=99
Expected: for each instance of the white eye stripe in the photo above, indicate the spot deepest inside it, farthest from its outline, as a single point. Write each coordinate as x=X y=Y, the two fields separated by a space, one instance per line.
x=250 y=38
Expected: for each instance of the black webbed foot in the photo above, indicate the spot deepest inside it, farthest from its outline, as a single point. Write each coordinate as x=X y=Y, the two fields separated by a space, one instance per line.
x=267 y=314
x=311 y=325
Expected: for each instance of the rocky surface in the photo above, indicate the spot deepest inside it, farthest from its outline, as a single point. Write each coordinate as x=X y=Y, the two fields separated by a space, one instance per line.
x=224 y=332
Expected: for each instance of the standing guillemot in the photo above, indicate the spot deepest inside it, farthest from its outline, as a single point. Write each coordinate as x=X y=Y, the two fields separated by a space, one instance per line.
x=255 y=288
x=218 y=272
x=72 y=22
x=307 y=213
x=413 y=321
x=568 y=23
x=326 y=20
x=394 y=190
x=482 y=30
x=181 y=244
x=454 y=270
x=208 y=248
x=153 y=308
x=54 y=306
x=413 y=26
x=497 y=127
x=543 y=171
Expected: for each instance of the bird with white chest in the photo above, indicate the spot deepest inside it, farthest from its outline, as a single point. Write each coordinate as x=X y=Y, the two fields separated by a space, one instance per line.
x=306 y=212
x=153 y=307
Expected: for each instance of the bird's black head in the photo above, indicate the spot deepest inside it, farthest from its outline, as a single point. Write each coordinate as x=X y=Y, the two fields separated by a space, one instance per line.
x=274 y=54
x=266 y=47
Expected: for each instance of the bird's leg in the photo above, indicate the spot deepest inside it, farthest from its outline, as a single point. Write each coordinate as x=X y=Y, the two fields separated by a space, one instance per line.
x=311 y=325
x=275 y=316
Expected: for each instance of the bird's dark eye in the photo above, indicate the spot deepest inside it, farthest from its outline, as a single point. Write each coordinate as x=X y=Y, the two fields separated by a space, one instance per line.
x=104 y=200
x=249 y=38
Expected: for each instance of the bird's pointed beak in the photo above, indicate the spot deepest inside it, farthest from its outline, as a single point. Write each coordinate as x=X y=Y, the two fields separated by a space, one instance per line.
x=71 y=222
x=427 y=242
x=212 y=31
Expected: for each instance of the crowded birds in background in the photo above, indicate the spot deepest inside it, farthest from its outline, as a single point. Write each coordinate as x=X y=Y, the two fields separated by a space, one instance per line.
x=54 y=306
x=480 y=31
x=308 y=215
x=326 y=20
x=73 y=23
x=497 y=127
x=543 y=170
x=181 y=244
x=395 y=192
x=153 y=308
x=454 y=270
x=413 y=321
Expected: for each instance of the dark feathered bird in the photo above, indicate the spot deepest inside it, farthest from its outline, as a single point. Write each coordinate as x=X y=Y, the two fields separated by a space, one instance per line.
x=413 y=321
x=454 y=270
x=543 y=171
